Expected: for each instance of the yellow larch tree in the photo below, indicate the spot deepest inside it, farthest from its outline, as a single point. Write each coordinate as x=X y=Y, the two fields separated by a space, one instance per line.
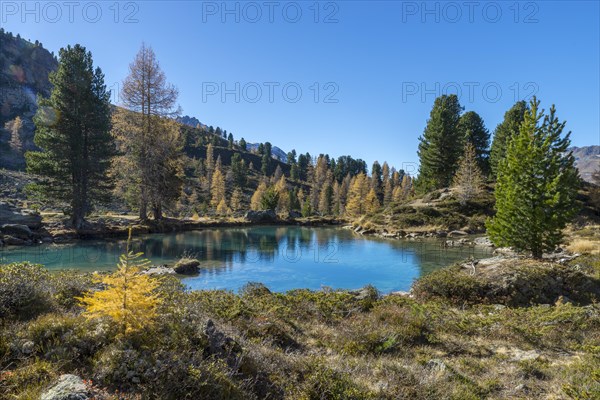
x=128 y=297
x=283 y=204
x=237 y=199
x=217 y=188
x=222 y=208
x=372 y=202
x=359 y=188
x=255 y=202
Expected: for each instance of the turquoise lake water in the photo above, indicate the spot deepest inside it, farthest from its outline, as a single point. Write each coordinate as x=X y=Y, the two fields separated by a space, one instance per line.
x=282 y=258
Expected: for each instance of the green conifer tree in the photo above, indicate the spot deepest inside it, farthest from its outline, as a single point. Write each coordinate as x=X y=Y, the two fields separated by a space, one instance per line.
x=537 y=185
x=507 y=129
x=73 y=134
x=441 y=144
x=474 y=132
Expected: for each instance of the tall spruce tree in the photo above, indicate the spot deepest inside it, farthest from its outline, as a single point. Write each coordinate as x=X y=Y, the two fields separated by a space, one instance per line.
x=474 y=131
x=507 y=129
x=441 y=144
x=73 y=134
x=376 y=179
x=537 y=185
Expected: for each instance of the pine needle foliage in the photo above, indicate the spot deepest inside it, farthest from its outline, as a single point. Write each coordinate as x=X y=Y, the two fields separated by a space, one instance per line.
x=537 y=185
x=129 y=297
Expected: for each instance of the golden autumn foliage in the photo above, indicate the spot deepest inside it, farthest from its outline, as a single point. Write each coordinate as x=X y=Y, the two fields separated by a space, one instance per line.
x=359 y=188
x=255 y=202
x=283 y=205
x=217 y=188
x=129 y=297
x=222 y=208
x=372 y=203
x=237 y=199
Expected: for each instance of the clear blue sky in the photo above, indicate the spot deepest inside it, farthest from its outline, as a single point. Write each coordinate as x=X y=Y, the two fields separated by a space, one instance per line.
x=384 y=62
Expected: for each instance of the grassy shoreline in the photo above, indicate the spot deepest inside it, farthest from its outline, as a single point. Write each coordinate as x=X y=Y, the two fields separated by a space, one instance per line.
x=448 y=339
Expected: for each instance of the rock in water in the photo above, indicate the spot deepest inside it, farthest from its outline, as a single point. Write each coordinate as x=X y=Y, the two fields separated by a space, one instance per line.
x=187 y=266
x=68 y=387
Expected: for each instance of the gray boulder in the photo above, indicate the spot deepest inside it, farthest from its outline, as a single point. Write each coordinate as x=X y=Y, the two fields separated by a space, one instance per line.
x=159 y=270
x=294 y=214
x=68 y=387
x=457 y=233
x=13 y=241
x=187 y=266
x=17 y=230
x=12 y=215
x=483 y=241
x=261 y=216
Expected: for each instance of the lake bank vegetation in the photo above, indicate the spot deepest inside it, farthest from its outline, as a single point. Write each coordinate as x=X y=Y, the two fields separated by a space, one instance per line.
x=464 y=332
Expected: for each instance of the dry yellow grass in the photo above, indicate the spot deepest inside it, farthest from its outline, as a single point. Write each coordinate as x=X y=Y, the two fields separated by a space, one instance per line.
x=584 y=246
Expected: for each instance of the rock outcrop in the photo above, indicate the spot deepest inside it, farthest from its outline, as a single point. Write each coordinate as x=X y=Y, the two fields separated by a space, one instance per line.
x=11 y=215
x=68 y=387
x=261 y=216
x=187 y=266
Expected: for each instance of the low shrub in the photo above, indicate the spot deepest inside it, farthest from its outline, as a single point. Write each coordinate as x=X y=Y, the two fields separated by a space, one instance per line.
x=28 y=380
x=451 y=285
x=67 y=286
x=67 y=338
x=24 y=291
x=325 y=383
x=167 y=375
x=388 y=328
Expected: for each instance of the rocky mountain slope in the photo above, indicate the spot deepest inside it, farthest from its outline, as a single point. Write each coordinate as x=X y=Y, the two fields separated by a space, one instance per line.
x=587 y=159
x=24 y=69
x=194 y=122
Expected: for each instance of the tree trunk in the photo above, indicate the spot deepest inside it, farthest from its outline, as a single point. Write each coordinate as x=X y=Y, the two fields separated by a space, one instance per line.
x=157 y=211
x=143 y=210
x=77 y=217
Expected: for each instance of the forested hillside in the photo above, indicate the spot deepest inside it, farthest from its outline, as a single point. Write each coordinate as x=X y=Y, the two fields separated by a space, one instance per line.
x=157 y=163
